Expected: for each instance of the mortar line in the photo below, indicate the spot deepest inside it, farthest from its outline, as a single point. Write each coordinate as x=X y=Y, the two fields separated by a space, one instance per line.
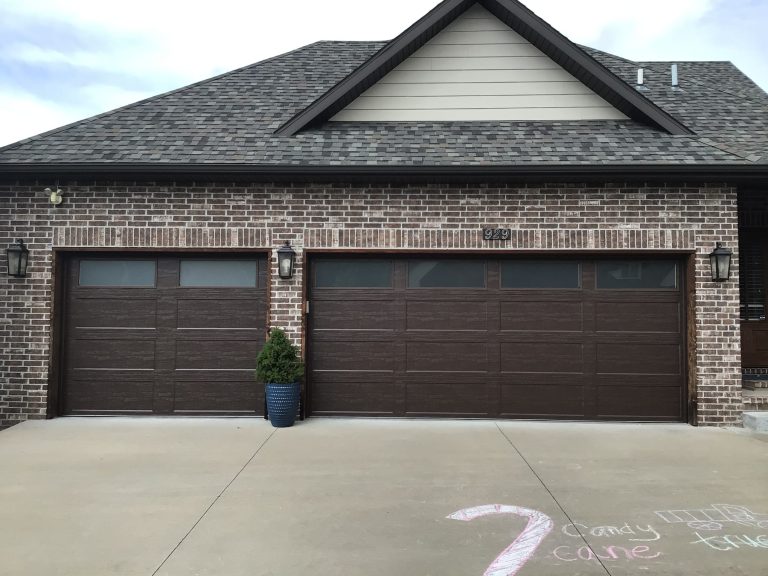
x=211 y=505
x=556 y=501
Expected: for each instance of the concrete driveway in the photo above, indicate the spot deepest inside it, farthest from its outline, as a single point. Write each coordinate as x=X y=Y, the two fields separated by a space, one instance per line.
x=359 y=497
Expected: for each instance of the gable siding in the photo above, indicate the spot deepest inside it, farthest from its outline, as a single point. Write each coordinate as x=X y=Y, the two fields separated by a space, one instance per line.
x=478 y=68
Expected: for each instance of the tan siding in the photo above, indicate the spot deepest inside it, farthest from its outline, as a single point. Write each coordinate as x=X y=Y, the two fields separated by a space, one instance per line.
x=448 y=115
x=479 y=51
x=478 y=69
x=472 y=76
x=490 y=63
x=478 y=89
x=466 y=102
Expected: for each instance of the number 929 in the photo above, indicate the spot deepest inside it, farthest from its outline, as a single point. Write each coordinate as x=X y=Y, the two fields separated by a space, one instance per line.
x=497 y=233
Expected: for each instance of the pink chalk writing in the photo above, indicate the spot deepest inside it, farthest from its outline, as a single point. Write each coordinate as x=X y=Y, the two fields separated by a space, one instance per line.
x=642 y=533
x=609 y=553
x=514 y=557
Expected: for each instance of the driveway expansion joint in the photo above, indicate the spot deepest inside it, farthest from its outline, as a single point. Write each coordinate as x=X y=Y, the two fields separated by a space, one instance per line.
x=554 y=498
x=211 y=505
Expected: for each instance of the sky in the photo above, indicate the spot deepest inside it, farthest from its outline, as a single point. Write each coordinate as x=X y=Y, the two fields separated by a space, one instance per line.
x=65 y=60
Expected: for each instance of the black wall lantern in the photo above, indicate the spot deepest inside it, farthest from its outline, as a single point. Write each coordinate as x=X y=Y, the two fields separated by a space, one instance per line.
x=17 y=257
x=720 y=263
x=286 y=256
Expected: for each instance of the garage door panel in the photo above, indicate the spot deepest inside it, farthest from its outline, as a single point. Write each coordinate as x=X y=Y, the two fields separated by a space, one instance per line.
x=121 y=392
x=633 y=316
x=353 y=355
x=639 y=380
x=549 y=316
x=543 y=400
x=210 y=354
x=446 y=356
x=354 y=315
x=370 y=337
x=542 y=357
x=109 y=353
x=446 y=315
x=222 y=394
x=643 y=403
x=113 y=312
x=638 y=358
x=359 y=397
x=233 y=313
x=448 y=399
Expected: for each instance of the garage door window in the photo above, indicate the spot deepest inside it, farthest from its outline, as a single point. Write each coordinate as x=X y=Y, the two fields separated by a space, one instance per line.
x=636 y=275
x=117 y=273
x=353 y=274
x=446 y=274
x=218 y=273
x=540 y=275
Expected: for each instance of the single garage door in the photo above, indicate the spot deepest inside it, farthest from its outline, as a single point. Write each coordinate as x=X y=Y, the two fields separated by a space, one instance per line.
x=497 y=338
x=163 y=334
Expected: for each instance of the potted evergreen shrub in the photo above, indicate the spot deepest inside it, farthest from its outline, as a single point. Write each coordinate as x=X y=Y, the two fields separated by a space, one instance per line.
x=279 y=367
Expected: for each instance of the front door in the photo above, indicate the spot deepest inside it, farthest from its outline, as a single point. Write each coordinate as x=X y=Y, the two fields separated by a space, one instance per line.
x=752 y=280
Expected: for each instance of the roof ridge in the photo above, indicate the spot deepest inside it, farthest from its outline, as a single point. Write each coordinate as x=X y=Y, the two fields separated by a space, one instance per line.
x=89 y=119
x=611 y=54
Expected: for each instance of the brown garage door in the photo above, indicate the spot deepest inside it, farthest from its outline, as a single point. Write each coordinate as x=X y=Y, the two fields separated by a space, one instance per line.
x=163 y=334
x=508 y=338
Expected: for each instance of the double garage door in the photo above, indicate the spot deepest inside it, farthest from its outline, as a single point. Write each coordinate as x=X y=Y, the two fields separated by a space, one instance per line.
x=163 y=335
x=419 y=337
x=497 y=338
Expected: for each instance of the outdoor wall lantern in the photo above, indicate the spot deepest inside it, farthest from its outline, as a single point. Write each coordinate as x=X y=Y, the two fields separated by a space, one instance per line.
x=720 y=263
x=17 y=257
x=286 y=256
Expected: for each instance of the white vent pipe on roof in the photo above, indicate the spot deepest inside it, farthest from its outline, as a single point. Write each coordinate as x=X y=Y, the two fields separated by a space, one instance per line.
x=675 y=82
x=640 y=76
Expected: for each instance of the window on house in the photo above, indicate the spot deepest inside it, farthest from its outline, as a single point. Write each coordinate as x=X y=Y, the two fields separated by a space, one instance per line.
x=541 y=274
x=446 y=274
x=117 y=273
x=218 y=273
x=636 y=275
x=353 y=273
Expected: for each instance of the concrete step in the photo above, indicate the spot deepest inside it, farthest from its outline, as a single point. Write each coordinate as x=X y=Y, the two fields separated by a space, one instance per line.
x=757 y=421
x=755 y=400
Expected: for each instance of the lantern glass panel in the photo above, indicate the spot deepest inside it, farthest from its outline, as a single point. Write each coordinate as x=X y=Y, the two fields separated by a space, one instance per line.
x=285 y=259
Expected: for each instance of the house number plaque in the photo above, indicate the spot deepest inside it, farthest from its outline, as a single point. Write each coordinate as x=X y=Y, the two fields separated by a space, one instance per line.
x=492 y=234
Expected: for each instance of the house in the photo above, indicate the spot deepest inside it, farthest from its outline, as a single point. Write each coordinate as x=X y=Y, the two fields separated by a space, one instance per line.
x=488 y=221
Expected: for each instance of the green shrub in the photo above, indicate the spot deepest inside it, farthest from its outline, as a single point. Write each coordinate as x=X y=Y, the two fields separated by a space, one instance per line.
x=279 y=362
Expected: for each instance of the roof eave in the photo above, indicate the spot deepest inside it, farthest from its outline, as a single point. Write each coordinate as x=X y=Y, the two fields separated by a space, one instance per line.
x=688 y=173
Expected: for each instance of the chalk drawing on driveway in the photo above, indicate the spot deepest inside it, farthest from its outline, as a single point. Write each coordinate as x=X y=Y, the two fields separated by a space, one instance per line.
x=715 y=517
x=514 y=557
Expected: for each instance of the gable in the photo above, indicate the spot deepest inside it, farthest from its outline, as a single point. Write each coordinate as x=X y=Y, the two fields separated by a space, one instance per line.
x=478 y=68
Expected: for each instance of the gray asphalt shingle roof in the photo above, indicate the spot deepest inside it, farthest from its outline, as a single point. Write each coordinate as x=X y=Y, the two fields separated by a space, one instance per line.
x=232 y=118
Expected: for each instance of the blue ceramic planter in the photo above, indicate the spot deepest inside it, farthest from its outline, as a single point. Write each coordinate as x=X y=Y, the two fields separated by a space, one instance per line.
x=282 y=403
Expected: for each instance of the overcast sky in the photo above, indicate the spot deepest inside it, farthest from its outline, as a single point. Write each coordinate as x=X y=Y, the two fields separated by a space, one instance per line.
x=64 y=60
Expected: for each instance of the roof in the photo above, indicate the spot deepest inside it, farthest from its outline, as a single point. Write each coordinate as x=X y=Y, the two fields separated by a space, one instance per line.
x=230 y=122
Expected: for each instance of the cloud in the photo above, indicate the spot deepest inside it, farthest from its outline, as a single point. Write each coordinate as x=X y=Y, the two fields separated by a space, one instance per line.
x=23 y=114
x=64 y=57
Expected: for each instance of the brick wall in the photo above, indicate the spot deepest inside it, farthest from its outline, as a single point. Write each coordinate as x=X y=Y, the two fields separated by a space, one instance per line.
x=559 y=218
